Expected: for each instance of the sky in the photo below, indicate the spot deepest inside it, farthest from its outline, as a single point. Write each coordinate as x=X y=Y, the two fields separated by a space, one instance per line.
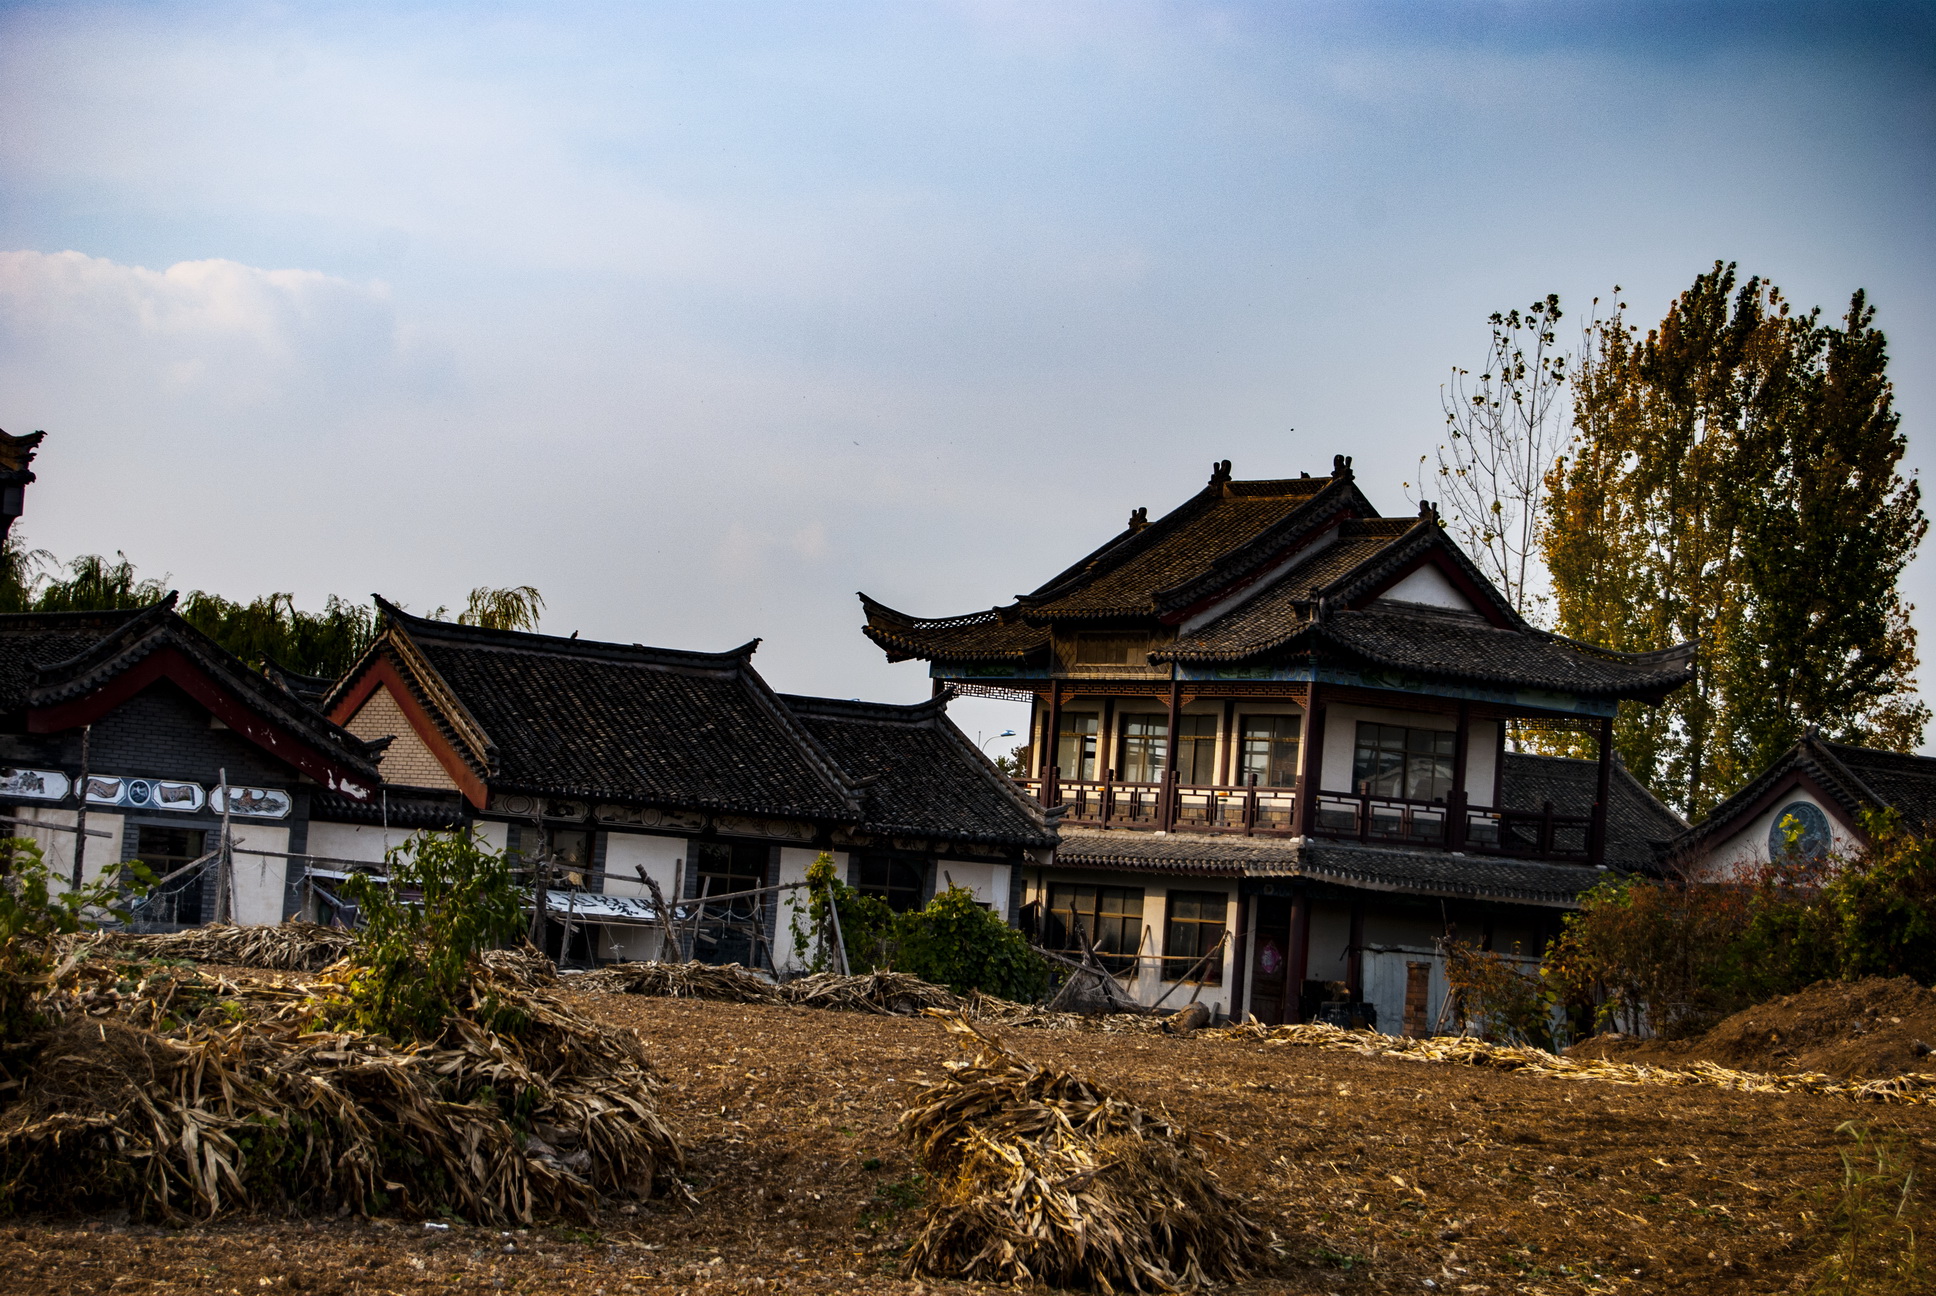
x=702 y=317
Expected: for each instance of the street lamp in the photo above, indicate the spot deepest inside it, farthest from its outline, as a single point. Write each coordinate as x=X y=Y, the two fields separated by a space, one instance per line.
x=983 y=742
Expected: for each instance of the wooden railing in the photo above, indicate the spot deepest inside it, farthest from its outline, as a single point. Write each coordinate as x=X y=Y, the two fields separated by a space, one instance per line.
x=1340 y=816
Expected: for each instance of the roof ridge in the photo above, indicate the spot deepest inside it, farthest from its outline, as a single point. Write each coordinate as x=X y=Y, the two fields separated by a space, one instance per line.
x=561 y=645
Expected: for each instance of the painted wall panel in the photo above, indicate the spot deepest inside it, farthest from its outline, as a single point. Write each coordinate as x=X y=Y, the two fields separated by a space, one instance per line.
x=57 y=848
x=258 y=879
x=342 y=841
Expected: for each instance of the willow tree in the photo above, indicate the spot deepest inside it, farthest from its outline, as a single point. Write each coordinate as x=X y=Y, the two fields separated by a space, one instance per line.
x=1733 y=480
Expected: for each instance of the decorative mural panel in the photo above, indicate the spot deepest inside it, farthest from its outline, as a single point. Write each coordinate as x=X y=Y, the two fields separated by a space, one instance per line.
x=144 y=794
x=37 y=785
x=257 y=803
x=749 y=826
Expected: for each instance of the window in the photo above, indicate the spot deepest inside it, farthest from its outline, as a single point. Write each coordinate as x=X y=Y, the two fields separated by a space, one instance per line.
x=1146 y=739
x=571 y=855
x=1196 y=749
x=1800 y=830
x=1111 y=918
x=1075 y=746
x=725 y=934
x=164 y=850
x=1409 y=764
x=1193 y=928
x=895 y=879
x=1268 y=750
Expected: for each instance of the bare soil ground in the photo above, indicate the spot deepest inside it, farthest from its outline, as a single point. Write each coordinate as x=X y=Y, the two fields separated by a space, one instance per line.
x=1376 y=1175
x=1872 y=1027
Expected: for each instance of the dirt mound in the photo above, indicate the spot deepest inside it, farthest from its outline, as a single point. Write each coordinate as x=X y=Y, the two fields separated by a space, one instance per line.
x=1872 y=1027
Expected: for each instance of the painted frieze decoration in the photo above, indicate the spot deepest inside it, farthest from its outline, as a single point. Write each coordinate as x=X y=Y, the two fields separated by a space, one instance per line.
x=37 y=785
x=144 y=794
x=256 y=803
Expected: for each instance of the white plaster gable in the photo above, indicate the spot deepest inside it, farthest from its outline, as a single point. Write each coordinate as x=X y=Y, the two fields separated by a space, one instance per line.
x=1428 y=585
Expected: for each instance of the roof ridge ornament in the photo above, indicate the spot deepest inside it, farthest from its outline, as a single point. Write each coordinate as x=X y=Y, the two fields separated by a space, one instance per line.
x=1220 y=472
x=1341 y=466
x=1138 y=519
x=1428 y=511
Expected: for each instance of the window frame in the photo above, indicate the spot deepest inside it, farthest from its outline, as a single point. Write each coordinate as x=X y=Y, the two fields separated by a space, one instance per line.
x=1151 y=737
x=1196 y=748
x=1270 y=745
x=161 y=863
x=1106 y=929
x=1091 y=738
x=1399 y=754
x=885 y=890
x=1176 y=964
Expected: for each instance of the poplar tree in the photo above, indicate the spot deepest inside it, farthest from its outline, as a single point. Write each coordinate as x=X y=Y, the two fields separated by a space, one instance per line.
x=1733 y=480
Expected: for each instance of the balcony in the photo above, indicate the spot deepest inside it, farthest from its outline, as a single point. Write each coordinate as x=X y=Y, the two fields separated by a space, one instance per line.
x=1340 y=816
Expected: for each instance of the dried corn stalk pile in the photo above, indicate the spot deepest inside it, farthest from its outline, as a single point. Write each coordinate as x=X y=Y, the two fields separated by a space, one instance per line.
x=729 y=982
x=1006 y=1012
x=289 y=947
x=1042 y=1176
x=178 y=1094
x=882 y=993
x=1465 y=1051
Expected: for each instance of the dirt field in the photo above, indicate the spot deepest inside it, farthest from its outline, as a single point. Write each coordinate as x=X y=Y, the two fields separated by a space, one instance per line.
x=1376 y=1175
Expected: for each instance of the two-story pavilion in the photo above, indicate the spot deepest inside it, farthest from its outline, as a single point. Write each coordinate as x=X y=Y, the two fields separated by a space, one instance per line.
x=1277 y=720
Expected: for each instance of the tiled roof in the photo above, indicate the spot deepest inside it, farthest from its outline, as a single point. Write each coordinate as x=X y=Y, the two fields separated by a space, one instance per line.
x=33 y=641
x=99 y=647
x=1858 y=778
x=919 y=775
x=1436 y=641
x=1124 y=578
x=408 y=811
x=1637 y=823
x=1430 y=873
x=994 y=635
x=617 y=722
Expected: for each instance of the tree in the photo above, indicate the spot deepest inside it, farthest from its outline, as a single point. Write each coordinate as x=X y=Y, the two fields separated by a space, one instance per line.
x=515 y=607
x=1505 y=428
x=1733 y=481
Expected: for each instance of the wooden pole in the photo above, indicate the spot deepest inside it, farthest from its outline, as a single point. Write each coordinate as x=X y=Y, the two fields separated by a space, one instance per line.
x=225 y=867
x=1312 y=776
x=1455 y=799
x=80 y=814
x=1166 y=816
x=1297 y=957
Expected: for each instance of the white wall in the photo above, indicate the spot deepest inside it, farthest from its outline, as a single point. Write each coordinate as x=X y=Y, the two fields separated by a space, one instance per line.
x=794 y=861
x=363 y=842
x=1341 y=745
x=57 y=847
x=626 y=852
x=1748 y=848
x=986 y=881
x=258 y=879
x=1428 y=585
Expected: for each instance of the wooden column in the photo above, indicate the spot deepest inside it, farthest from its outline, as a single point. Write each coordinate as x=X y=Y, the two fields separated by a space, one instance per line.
x=1455 y=800
x=1310 y=777
x=1297 y=958
x=1226 y=768
x=1172 y=742
x=1597 y=849
x=1052 y=741
x=1354 y=958
x=1240 y=957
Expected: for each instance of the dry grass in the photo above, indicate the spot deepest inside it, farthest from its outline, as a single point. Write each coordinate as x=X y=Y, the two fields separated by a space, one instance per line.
x=288 y=947
x=1916 y=1089
x=1044 y=1176
x=728 y=983
x=179 y=1095
x=887 y=993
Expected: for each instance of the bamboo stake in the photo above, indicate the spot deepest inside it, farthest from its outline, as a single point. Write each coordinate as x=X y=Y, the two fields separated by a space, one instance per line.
x=80 y=814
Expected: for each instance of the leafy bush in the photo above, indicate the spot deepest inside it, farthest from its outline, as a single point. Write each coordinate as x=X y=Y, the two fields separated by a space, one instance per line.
x=1679 y=956
x=34 y=908
x=952 y=942
x=448 y=898
x=1496 y=999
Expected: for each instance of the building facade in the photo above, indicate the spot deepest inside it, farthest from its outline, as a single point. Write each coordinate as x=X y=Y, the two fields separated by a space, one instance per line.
x=632 y=766
x=1275 y=726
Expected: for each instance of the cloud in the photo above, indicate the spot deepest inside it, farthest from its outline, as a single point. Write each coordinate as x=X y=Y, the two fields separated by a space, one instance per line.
x=214 y=334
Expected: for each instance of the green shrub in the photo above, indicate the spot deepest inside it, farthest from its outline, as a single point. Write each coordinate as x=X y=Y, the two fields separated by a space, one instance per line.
x=448 y=898
x=952 y=942
x=34 y=908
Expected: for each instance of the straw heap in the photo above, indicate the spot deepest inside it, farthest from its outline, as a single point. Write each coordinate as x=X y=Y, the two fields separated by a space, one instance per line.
x=729 y=982
x=889 y=994
x=1042 y=1176
x=178 y=1094
x=1916 y=1089
x=289 y=946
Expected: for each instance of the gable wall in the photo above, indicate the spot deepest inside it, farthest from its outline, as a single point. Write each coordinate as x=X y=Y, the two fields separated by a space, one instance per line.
x=1747 y=847
x=407 y=762
x=1429 y=585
